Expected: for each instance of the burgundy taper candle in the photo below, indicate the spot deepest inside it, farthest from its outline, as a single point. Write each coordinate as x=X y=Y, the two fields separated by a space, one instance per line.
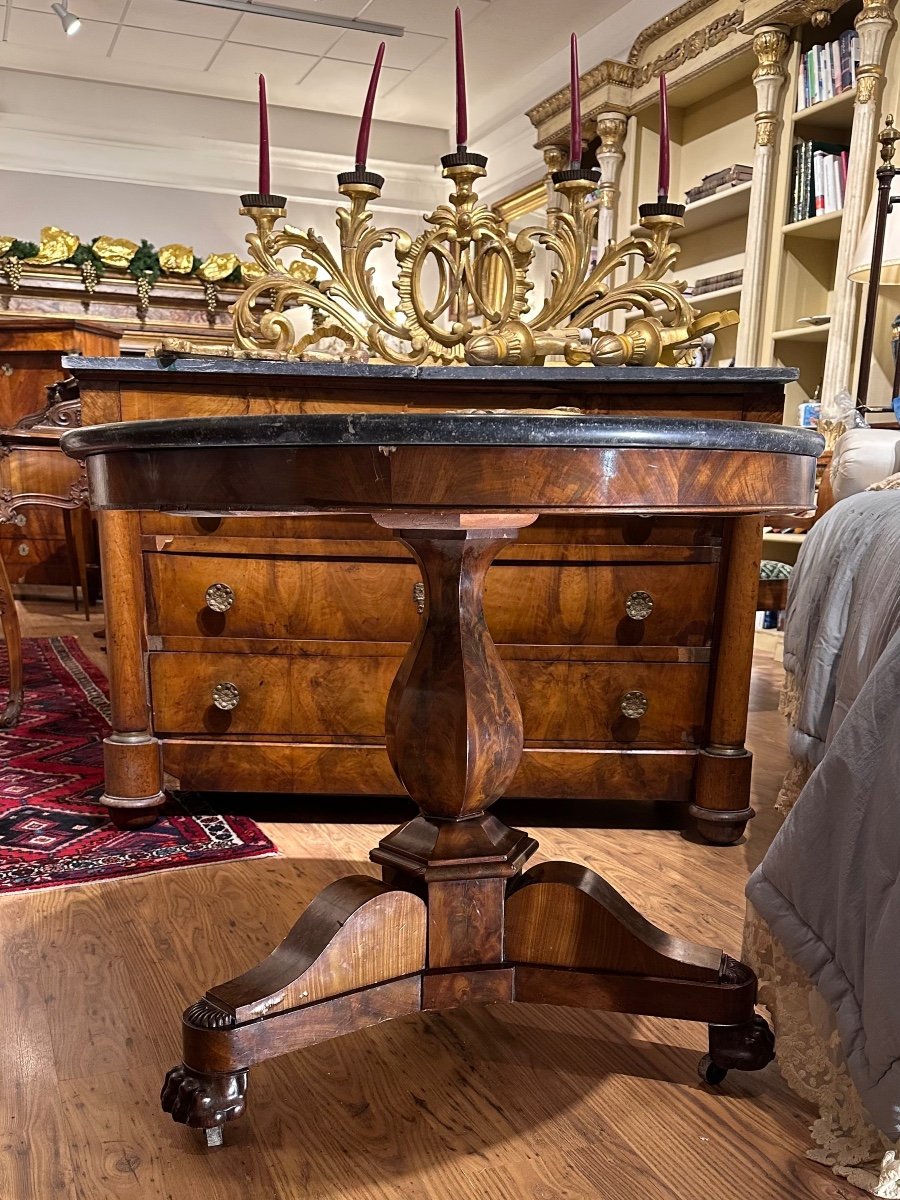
x=574 y=87
x=663 y=138
x=365 y=124
x=265 y=183
x=462 y=112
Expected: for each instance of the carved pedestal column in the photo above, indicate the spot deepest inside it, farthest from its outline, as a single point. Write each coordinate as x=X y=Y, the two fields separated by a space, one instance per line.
x=873 y=24
x=771 y=43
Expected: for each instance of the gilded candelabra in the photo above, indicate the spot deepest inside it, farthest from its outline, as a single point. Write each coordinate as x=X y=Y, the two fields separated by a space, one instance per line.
x=463 y=284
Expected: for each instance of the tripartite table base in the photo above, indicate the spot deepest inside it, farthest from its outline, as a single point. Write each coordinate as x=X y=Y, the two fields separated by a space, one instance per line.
x=455 y=920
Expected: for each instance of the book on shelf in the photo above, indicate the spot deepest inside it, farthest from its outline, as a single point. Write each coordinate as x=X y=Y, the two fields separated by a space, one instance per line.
x=818 y=179
x=828 y=70
x=716 y=283
x=720 y=181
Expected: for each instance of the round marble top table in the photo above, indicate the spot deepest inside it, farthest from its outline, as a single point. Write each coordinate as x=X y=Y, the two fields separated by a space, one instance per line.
x=453 y=920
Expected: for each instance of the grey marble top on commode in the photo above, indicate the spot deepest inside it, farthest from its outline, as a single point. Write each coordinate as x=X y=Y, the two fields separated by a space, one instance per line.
x=550 y=376
x=407 y=429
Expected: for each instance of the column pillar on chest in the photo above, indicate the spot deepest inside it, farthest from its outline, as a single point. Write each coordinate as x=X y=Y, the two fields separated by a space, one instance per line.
x=131 y=754
x=771 y=44
x=873 y=24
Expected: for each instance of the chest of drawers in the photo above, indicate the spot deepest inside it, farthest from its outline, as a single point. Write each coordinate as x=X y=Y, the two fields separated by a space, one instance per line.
x=256 y=653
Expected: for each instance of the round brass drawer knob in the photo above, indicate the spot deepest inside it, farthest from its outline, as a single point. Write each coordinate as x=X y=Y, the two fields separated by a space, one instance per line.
x=639 y=606
x=226 y=696
x=219 y=597
x=634 y=704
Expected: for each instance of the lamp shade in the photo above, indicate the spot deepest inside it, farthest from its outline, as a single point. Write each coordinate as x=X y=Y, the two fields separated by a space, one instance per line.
x=862 y=257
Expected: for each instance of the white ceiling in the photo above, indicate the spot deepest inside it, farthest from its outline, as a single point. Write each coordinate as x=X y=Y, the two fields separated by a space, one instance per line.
x=177 y=46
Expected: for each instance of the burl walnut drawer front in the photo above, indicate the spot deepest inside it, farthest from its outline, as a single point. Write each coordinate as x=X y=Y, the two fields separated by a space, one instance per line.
x=651 y=704
x=526 y=604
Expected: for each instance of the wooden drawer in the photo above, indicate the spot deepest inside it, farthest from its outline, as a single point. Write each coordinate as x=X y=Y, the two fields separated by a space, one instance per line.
x=525 y=604
x=40 y=523
x=204 y=765
x=339 y=696
x=648 y=531
x=35 y=560
x=588 y=605
x=283 y=598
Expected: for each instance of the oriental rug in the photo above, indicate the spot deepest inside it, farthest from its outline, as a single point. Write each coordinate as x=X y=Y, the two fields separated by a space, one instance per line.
x=53 y=832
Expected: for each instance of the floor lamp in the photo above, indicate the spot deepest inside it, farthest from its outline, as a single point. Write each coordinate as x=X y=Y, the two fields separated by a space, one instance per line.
x=878 y=257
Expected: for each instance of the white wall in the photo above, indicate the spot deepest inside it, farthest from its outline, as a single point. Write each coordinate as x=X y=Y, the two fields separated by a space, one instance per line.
x=208 y=221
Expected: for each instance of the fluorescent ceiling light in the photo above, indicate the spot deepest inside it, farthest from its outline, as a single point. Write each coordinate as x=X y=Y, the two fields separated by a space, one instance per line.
x=70 y=23
x=295 y=14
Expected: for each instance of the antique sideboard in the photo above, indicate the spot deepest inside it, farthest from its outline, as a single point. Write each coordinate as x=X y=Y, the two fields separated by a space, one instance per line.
x=36 y=546
x=256 y=654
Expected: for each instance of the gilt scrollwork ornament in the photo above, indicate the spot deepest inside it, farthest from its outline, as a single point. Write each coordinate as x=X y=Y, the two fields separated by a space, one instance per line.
x=554 y=158
x=611 y=132
x=874 y=10
x=771 y=47
x=766 y=129
x=463 y=284
x=868 y=80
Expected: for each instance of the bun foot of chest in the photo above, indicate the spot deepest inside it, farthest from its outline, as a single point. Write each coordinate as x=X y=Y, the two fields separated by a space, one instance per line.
x=721 y=807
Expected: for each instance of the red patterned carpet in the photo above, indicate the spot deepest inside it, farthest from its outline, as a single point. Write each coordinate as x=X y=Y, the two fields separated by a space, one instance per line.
x=52 y=831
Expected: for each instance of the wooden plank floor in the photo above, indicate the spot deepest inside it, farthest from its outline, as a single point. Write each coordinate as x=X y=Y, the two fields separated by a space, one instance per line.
x=502 y=1103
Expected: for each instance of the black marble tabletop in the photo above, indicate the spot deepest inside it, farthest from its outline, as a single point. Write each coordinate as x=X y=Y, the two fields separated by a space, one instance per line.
x=551 y=376
x=413 y=429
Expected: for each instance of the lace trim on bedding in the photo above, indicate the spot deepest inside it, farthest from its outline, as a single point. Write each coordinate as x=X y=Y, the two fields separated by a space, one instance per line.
x=812 y=1064
x=890 y=484
x=790 y=697
x=793 y=784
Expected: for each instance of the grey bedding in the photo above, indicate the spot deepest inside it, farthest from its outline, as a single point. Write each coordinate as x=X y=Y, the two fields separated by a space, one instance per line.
x=829 y=886
x=843 y=609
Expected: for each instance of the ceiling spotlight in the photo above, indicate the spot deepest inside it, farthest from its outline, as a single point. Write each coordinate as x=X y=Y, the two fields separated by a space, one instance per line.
x=70 y=23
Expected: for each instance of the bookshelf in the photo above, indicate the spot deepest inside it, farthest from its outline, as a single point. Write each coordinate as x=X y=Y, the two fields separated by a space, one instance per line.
x=709 y=127
x=734 y=83
x=819 y=229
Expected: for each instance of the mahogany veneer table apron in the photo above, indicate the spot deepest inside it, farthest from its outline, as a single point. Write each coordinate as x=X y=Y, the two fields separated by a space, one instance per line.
x=454 y=920
x=628 y=636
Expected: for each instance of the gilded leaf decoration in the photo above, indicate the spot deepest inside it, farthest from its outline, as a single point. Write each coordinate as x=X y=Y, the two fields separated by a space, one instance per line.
x=56 y=246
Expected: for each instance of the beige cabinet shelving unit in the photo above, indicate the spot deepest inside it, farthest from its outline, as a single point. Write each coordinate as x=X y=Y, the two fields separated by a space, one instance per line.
x=732 y=76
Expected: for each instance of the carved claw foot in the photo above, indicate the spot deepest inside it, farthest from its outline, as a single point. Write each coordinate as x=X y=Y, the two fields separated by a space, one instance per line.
x=204 y=1101
x=12 y=713
x=748 y=1047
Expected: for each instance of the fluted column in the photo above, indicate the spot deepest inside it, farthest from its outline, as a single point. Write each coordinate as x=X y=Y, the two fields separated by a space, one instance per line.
x=771 y=44
x=611 y=129
x=873 y=24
